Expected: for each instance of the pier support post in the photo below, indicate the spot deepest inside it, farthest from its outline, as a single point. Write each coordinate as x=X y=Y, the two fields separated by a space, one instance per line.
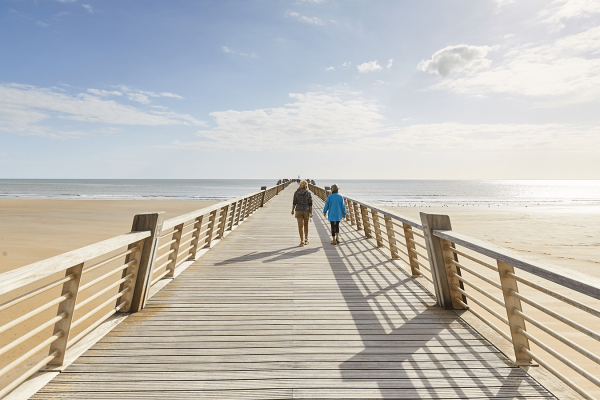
x=442 y=271
x=146 y=222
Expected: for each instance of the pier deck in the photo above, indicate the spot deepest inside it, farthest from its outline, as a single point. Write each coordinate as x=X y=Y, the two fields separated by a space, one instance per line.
x=259 y=317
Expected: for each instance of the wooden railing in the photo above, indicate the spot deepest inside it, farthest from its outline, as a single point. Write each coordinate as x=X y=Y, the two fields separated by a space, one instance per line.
x=555 y=311
x=54 y=303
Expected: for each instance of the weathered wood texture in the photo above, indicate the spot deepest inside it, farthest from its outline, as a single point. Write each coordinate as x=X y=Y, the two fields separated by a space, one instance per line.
x=260 y=317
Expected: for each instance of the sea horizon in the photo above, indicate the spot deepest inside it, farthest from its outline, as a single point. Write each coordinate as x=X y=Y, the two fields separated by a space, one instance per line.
x=391 y=192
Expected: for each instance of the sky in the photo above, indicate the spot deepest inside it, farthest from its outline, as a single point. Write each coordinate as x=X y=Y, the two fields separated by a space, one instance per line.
x=365 y=89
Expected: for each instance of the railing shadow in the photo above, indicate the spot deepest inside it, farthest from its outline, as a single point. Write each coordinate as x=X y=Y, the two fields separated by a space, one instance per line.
x=271 y=256
x=411 y=347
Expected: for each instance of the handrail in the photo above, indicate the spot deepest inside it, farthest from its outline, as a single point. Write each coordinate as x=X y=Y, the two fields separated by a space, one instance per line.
x=120 y=288
x=574 y=280
x=172 y=222
x=453 y=291
x=19 y=277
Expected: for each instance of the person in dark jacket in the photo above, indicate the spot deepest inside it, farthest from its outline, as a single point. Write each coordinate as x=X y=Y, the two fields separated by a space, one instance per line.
x=302 y=206
x=337 y=210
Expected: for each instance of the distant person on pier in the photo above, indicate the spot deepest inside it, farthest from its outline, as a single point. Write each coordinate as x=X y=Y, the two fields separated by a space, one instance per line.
x=337 y=210
x=302 y=205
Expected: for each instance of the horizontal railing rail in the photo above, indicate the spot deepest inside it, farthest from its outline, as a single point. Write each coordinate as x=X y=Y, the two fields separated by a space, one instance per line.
x=485 y=282
x=52 y=304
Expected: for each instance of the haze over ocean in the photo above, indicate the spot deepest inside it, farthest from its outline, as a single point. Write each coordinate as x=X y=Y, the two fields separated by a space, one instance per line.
x=386 y=192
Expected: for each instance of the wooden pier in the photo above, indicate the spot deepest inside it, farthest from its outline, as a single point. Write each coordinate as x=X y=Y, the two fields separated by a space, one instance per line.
x=223 y=303
x=260 y=317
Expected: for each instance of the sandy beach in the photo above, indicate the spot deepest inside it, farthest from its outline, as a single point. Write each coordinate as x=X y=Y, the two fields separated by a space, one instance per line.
x=33 y=230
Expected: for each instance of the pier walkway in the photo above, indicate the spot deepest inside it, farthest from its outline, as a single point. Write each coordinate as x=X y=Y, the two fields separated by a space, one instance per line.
x=259 y=317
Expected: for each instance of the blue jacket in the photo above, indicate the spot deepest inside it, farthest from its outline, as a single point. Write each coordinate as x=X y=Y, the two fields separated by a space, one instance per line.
x=335 y=205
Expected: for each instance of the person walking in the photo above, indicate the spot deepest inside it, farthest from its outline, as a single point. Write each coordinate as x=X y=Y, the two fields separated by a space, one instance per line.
x=302 y=205
x=337 y=209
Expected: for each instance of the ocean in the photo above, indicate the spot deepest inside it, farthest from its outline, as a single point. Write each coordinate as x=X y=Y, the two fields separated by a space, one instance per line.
x=382 y=192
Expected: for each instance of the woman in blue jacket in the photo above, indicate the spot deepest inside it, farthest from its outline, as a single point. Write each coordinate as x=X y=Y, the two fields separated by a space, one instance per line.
x=337 y=210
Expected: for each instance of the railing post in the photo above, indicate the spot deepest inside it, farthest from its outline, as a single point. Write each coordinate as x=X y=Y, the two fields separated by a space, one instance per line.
x=365 y=220
x=194 y=249
x=411 y=250
x=238 y=211
x=389 y=226
x=350 y=210
x=515 y=321
x=68 y=308
x=248 y=209
x=377 y=228
x=133 y=271
x=211 y=229
x=242 y=212
x=264 y=193
x=175 y=249
x=223 y=221
x=232 y=218
x=357 y=216
x=146 y=222
x=443 y=278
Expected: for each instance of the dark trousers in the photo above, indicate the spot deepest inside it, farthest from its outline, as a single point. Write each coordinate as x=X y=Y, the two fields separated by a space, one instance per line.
x=335 y=227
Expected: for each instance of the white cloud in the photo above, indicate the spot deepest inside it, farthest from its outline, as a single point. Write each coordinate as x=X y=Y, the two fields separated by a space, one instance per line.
x=368 y=67
x=140 y=98
x=330 y=69
x=569 y=9
x=167 y=94
x=562 y=72
x=465 y=138
x=311 y=121
x=305 y=19
x=346 y=64
x=24 y=107
x=88 y=8
x=380 y=82
x=42 y=24
x=316 y=121
x=456 y=58
x=503 y=2
x=390 y=62
x=228 y=50
x=104 y=93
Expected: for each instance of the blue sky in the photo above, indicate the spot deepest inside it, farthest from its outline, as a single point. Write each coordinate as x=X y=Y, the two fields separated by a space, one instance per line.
x=433 y=89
